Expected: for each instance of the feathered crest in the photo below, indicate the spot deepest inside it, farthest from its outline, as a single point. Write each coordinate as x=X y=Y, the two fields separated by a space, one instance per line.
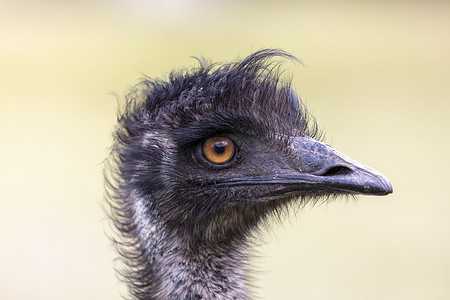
x=255 y=86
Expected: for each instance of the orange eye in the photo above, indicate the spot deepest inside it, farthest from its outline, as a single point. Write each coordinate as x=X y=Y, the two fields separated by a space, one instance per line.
x=219 y=150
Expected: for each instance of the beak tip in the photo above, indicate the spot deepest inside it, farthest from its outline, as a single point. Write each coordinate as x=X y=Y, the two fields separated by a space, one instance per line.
x=388 y=187
x=381 y=186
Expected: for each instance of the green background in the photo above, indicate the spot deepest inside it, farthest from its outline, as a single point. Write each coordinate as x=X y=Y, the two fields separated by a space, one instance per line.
x=376 y=75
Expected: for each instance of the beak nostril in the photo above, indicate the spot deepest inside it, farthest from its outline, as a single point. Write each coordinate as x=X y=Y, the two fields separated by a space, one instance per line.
x=337 y=170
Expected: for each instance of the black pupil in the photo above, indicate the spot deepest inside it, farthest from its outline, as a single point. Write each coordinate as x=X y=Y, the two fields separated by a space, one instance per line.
x=219 y=147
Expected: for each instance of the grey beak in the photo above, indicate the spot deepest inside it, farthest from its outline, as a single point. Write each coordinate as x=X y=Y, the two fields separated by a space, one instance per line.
x=314 y=168
x=322 y=169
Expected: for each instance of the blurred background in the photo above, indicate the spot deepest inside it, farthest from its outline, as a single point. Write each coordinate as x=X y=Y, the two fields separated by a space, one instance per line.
x=376 y=75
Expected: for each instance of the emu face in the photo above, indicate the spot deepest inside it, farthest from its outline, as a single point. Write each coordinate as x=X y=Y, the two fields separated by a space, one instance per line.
x=204 y=157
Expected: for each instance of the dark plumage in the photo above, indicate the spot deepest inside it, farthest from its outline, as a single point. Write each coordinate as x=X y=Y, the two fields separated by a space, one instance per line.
x=200 y=160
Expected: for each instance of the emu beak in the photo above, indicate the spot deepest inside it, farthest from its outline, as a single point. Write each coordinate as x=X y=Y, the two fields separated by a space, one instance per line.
x=314 y=168
x=323 y=170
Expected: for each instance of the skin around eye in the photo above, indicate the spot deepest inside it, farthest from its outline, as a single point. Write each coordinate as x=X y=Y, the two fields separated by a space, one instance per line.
x=218 y=150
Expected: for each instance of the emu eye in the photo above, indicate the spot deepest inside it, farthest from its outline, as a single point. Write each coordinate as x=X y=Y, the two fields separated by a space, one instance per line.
x=218 y=150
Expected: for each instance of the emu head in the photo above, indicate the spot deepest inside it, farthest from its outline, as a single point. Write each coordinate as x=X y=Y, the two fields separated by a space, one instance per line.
x=212 y=151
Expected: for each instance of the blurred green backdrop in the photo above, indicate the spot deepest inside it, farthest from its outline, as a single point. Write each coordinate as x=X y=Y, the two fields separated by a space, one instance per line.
x=376 y=75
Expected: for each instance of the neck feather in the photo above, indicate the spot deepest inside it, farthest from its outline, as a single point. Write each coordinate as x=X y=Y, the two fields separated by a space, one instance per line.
x=206 y=260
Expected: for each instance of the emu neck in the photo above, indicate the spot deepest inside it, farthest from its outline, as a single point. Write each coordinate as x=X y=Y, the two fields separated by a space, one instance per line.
x=189 y=264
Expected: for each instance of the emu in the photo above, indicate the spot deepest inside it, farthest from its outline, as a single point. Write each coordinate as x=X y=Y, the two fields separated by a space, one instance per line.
x=201 y=160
